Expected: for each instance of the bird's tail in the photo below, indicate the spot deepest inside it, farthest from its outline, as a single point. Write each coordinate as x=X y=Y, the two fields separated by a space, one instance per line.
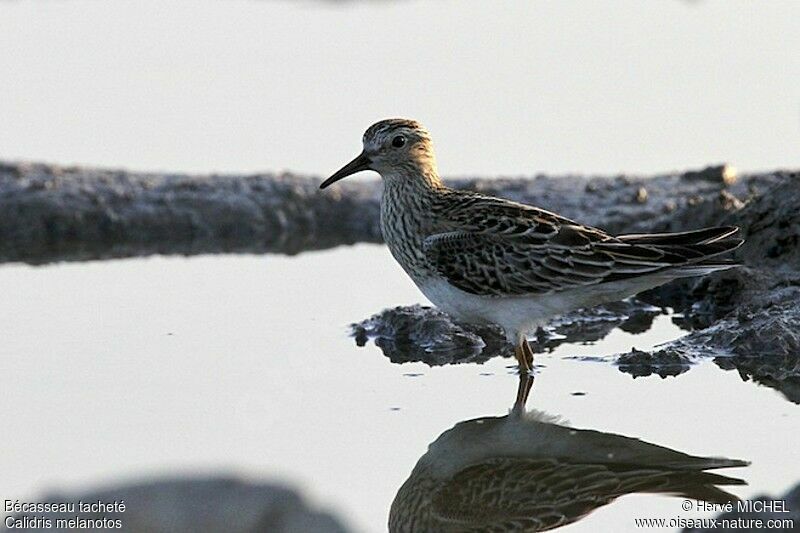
x=699 y=236
x=689 y=253
x=701 y=269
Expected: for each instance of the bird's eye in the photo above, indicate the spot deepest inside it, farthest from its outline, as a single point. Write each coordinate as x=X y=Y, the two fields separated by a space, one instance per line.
x=399 y=141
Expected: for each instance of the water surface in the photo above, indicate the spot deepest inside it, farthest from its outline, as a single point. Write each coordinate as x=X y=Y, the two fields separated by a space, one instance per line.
x=127 y=369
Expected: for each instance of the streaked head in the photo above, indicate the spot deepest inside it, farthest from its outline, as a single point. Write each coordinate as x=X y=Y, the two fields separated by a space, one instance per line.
x=395 y=146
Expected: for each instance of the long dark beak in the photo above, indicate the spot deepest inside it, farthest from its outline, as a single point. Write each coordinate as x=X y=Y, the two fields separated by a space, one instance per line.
x=358 y=164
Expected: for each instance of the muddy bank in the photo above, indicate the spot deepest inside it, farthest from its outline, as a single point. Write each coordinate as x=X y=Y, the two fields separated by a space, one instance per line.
x=748 y=318
x=191 y=505
x=51 y=213
x=54 y=213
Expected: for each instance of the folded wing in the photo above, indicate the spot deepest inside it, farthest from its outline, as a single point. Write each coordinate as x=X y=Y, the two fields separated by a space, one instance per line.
x=517 y=494
x=503 y=248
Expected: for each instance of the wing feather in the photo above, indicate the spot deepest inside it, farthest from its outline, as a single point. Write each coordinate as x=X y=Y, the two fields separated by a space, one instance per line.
x=525 y=494
x=495 y=247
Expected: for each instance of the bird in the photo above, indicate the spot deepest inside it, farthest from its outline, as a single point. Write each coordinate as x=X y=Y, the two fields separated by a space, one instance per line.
x=530 y=471
x=483 y=259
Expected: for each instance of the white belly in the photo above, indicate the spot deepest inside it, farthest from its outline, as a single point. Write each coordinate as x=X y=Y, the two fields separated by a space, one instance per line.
x=516 y=315
x=523 y=315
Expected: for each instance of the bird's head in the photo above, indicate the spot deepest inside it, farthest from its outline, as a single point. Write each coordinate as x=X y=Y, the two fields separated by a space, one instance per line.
x=394 y=148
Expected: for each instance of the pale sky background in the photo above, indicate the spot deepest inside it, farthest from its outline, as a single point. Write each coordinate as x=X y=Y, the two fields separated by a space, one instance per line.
x=518 y=88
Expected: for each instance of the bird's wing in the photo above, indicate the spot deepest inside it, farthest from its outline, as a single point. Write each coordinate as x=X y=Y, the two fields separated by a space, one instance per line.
x=517 y=494
x=521 y=495
x=495 y=247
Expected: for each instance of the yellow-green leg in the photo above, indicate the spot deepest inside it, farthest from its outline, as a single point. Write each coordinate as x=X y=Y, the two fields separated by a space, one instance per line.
x=523 y=390
x=528 y=353
x=524 y=355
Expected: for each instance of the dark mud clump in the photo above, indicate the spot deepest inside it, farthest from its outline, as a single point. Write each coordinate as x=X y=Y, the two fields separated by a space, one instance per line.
x=780 y=372
x=661 y=362
x=590 y=325
x=425 y=334
x=419 y=333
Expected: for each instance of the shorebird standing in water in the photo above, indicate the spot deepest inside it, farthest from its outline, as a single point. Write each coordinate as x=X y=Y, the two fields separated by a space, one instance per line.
x=485 y=259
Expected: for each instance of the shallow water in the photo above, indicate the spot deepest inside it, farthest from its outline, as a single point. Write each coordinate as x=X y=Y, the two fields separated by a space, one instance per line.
x=129 y=369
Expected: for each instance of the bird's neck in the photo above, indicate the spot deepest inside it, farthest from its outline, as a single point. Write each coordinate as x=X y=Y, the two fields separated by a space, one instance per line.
x=407 y=216
x=419 y=180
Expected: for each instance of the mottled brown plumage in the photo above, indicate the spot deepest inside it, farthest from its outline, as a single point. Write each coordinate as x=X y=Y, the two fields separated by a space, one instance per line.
x=486 y=259
x=527 y=473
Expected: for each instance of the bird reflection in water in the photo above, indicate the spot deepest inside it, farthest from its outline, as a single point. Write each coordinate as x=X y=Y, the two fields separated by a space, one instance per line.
x=528 y=471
